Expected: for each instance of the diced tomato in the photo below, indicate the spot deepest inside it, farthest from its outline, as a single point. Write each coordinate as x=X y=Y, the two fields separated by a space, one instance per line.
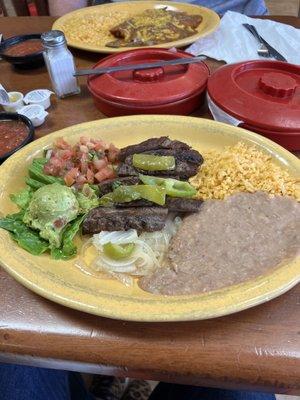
x=105 y=173
x=90 y=176
x=90 y=145
x=84 y=140
x=59 y=223
x=60 y=143
x=100 y=145
x=113 y=153
x=75 y=164
x=83 y=148
x=100 y=176
x=84 y=167
x=57 y=162
x=71 y=176
x=81 y=180
x=50 y=169
x=83 y=162
x=69 y=180
x=69 y=165
x=66 y=154
x=53 y=166
x=98 y=164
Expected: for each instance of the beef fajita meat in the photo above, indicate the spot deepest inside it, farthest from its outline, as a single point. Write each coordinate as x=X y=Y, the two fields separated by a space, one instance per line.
x=136 y=203
x=127 y=170
x=175 y=204
x=187 y=159
x=183 y=205
x=110 y=184
x=148 y=219
x=149 y=145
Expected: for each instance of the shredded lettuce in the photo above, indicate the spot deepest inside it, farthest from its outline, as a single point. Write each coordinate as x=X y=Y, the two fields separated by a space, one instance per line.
x=26 y=237
x=68 y=249
x=22 y=199
x=35 y=185
x=29 y=239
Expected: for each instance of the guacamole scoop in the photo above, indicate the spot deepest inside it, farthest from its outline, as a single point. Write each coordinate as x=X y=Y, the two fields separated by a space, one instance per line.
x=49 y=211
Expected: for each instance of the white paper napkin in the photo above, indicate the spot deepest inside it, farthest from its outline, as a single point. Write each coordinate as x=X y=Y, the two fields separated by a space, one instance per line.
x=231 y=42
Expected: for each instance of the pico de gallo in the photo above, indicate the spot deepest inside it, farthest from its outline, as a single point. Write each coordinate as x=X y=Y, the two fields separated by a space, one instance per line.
x=89 y=161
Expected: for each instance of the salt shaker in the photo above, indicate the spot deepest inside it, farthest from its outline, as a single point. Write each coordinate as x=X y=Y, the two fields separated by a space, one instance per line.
x=60 y=63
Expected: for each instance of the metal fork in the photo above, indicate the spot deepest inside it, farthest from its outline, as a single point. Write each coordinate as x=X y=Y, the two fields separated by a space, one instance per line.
x=263 y=51
x=1 y=37
x=272 y=52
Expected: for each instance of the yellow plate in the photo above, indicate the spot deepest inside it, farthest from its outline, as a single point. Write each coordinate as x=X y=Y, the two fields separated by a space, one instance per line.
x=122 y=11
x=63 y=283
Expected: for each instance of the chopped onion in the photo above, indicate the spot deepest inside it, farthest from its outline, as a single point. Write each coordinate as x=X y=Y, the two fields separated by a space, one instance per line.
x=149 y=252
x=116 y=237
x=48 y=154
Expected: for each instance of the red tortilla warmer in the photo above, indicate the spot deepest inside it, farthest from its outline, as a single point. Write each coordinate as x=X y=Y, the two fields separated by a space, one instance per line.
x=263 y=96
x=178 y=89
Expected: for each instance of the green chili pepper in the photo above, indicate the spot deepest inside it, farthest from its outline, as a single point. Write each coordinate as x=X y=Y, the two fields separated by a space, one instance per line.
x=151 y=162
x=156 y=194
x=125 y=194
x=173 y=187
x=118 y=251
x=106 y=200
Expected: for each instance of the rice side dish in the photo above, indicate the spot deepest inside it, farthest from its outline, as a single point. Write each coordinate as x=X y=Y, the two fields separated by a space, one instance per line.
x=93 y=29
x=241 y=168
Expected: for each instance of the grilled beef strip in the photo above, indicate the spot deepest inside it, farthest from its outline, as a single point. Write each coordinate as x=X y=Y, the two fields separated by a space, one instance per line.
x=147 y=219
x=136 y=203
x=179 y=204
x=127 y=170
x=187 y=159
x=152 y=144
x=176 y=204
x=189 y=155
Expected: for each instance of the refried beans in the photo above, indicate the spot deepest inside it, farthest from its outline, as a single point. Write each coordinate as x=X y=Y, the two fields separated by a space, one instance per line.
x=228 y=242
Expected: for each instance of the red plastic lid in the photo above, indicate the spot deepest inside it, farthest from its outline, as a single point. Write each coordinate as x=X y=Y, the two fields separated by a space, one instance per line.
x=264 y=94
x=151 y=86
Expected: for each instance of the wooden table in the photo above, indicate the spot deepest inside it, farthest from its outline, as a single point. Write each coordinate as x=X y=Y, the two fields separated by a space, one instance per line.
x=255 y=349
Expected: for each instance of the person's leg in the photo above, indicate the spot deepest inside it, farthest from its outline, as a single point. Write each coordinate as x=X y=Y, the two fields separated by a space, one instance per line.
x=18 y=382
x=77 y=387
x=166 y=391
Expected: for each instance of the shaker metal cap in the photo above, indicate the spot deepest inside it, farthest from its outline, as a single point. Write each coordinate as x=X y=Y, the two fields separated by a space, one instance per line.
x=53 y=38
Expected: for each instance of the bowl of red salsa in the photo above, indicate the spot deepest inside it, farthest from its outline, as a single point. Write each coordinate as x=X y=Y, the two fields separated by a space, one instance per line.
x=25 y=51
x=16 y=131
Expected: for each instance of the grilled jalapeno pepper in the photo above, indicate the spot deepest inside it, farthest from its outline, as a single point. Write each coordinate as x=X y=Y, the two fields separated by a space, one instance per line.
x=124 y=194
x=156 y=194
x=151 y=162
x=118 y=251
x=173 y=187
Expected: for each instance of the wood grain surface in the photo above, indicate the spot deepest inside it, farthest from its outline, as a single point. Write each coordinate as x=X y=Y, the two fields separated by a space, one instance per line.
x=257 y=349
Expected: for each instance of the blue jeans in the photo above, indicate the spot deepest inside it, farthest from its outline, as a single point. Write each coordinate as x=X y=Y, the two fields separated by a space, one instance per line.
x=166 y=391
x=28 y=383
